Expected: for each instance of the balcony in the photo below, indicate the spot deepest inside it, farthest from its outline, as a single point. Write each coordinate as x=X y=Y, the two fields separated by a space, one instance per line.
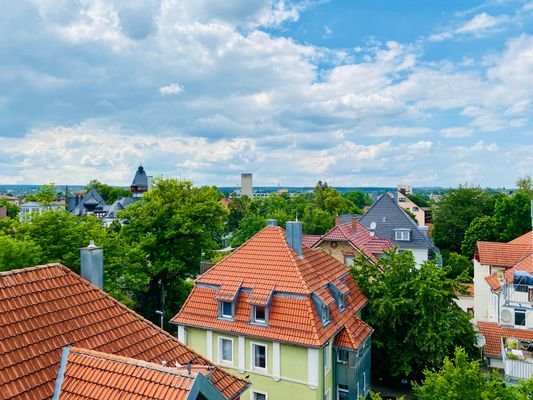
x=517 y=358
x=519 y=294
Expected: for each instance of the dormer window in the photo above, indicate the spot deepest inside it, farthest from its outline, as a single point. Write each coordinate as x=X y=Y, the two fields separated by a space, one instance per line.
x=259 y=314
x=342 y=306
x=402 y=235
x=226 y=310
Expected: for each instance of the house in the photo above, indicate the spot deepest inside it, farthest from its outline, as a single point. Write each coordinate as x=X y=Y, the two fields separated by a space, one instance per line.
x=91 y=204
x=503 y=311
x=347 y=239
x=141 y=183
x=465 y=298
x=284 y=314
x=389 y=221
x=34 y=207
x=407 y=204
x=46 y=309
x=12 y=199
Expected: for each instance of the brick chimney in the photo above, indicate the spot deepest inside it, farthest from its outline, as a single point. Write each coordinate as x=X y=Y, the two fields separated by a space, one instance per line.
x=354 y=223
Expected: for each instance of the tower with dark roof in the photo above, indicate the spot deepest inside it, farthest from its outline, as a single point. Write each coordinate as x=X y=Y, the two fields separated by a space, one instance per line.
x=140 y=182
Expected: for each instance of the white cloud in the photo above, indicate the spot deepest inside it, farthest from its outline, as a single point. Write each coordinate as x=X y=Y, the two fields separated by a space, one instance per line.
x=480 y=25
x=457 y=132
x=174 y=88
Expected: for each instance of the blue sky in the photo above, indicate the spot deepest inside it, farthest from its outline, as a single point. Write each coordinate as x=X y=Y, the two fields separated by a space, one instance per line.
x=357 y=93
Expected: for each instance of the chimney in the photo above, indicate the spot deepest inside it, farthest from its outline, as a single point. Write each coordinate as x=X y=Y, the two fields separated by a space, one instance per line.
x=294 y=236
x=272 y=222
x=338 y=220
x=354 y=223
x=92 y=264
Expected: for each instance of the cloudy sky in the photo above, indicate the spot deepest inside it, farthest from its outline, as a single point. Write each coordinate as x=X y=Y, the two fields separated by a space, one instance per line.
x=357 y=93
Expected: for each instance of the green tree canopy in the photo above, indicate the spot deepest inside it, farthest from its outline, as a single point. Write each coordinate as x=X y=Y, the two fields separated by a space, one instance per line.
x=454 y=213
x=416 y=320
x=482 y=228
x=461 y=379
x=458 y=266
x=418 y=199
x=512 y=215
x=109 y=193
x=358 y=198
x=16 y=253
x=12 y=209
x=46 y=194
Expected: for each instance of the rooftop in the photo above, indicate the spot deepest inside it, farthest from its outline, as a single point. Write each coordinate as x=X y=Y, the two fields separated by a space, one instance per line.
x=45 y=308
x=494 y=333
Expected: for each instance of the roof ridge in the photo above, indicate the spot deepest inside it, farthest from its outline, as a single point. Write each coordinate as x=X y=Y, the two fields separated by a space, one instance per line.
x=296 y=260
x=34 y=268
x=139 y=363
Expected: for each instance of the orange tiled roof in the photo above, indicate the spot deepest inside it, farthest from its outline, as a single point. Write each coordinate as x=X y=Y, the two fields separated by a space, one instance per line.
x=469 y=290
x=94 y=375
x=502 y=254
x=359 y=237
x=494 y=333
x=526 y=239
x=353 y=335
x=525 y=265
x=45 y=308
x=267 y=260
x=493 y=282
x=310 y=240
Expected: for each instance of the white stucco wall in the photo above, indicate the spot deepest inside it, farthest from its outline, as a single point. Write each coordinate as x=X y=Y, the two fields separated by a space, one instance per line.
x=465 y=302
x=421 y=255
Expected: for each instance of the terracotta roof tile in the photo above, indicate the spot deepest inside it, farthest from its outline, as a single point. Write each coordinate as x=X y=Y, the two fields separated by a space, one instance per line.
x=353 y=335
x=501 y=254
x=525 y=265
x=359 y=237
x=526 y=239
x=493 y=282
x=45 y=308
x=310 y=240
x=267 y=261
x=261 y=295
x=494 y=333
x=99 y=376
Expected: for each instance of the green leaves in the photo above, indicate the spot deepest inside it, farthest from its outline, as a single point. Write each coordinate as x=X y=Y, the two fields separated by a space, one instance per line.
x=416 y=321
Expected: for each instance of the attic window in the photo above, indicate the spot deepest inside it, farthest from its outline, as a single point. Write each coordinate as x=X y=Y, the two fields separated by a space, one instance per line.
x=259 y=315
x=403 y=235
x=402 y=200
x=325 y=314
x=226 y=309
x=342 y=305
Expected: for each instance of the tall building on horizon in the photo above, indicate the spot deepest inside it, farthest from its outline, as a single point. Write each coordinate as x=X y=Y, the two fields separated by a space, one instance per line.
x=246 y=184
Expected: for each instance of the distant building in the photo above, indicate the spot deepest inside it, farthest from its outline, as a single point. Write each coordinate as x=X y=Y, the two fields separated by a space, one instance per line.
x=407 y=204
x=389 y=221
x=32 y=207
x=3 y=212
x=12 y=199
x=247 y=185
x=405 y=189
x=141 y=183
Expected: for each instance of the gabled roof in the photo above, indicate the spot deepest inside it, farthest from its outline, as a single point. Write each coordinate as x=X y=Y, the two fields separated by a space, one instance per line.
x=358 y=236
x=45 y=308
x=87 y=374
x=92 y=198
x=494 y=333
x=353 y=335
x=266 y=261
x=501 y=254
x=526 y=239
x=388 y=216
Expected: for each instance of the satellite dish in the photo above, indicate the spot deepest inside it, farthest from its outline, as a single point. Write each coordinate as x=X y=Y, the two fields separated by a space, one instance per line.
x=373 y=225
x=506 y=315
x=480 y=340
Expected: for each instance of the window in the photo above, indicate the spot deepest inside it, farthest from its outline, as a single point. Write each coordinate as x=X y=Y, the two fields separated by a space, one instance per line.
x=415 y=209
x=225 y=350
x=259 y=314
x=226 y=309
x=325 y=314
x=348 y=260
x=259 y=354
x=520 y=317
x=402 y=199
x=402 y=235
x=341 y=302
x=343 y=356
x=259 y=396
x=343 y=393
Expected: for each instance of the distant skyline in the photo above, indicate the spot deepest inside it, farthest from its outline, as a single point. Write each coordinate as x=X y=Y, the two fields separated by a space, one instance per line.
x=355 y=93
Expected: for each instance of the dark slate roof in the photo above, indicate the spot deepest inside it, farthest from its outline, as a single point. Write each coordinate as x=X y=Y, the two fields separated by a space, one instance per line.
x=140 y=178
x=389 y=216
x=91 y=198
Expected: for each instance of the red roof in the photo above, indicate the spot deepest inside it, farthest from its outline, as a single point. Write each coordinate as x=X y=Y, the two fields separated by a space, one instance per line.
x=494 y=333
x=267 y=261
x=469 y=287
x=353 y=335
x=359 y=237
x=310 y=240
x=504 y=254
x=94 y=375
x=45 y=308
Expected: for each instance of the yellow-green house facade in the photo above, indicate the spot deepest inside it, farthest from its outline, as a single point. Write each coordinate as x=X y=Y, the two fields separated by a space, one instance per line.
x=284 y=316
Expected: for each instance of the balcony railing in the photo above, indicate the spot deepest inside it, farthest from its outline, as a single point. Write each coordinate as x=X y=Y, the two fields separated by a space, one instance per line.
x=521 y=294
x=516 y=369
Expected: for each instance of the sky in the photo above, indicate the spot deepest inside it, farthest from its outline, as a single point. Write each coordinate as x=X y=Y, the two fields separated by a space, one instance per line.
x=352 y=92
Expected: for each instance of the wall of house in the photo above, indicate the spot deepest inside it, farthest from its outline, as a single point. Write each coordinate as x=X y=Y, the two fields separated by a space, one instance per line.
x=421 y=255
x=293 y=372
x=414 y=209
x=466 y=303
x=340 y=249
x=482 y=293
x=356 y=373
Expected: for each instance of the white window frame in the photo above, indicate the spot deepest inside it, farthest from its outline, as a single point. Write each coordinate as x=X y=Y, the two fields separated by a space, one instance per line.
x=343 y=362
x=253 y=367
x=254 y=315
x=327 y=357
x=220 y=352
x=339 y=390
x=254 y=392
x=226 y=316
x=349 y=256
x=402 y=235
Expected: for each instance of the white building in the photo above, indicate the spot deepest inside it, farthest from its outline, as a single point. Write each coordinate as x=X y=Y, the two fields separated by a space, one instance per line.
x=31 y=207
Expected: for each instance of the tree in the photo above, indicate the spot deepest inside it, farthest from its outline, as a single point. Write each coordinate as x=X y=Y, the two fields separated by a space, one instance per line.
x=416 y=320
x=316 y=221
x=482 y=228
x=454 y=213
x=358 y=198
x=175 y=225
x=418 y=199
x=462 y=379
x=458 y=266
x=238 y=208
x=249 y=226
x=46 y=194
x=524 y=184
x=16 y=253
x=512 y=216
x=12 y=209
x=109 y=193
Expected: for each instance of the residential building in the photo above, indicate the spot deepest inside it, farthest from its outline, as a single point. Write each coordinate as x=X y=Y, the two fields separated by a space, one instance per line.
x=347 y=239
x=34 y=207
x=12 y=199
x=46 y=309
x=503 y=310
x=465 y=298
x=407 y=204
x=389 y=221
x=90 y=204
x=284 y=314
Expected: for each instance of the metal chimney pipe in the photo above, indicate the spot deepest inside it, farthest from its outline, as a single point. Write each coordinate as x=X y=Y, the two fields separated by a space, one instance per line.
x=294 y=236
x=92 y=264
